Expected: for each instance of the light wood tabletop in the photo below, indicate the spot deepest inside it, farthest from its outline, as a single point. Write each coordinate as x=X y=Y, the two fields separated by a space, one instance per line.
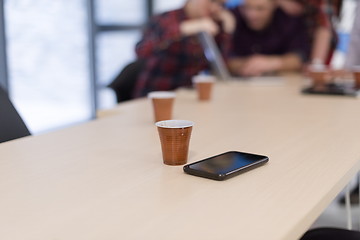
x=105 y=179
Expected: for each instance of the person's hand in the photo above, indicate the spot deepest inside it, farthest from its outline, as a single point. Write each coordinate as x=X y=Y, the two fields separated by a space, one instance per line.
x=235 y=65
x=227 y=19
x=258 y=65
x=191 y=27
x=291 y=7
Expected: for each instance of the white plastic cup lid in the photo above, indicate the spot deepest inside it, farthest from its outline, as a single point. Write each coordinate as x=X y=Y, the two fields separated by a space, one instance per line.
x=318 y=68
x=174 y=124
x=203 y=78
x=161 y=94
x=356 y=68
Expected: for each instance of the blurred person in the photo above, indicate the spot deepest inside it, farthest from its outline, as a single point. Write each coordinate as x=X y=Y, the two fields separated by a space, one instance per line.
x=319 y=16
x=352 y=57
x=267 y=40
x=171 y=48
x=353 y=60
x=353 y=54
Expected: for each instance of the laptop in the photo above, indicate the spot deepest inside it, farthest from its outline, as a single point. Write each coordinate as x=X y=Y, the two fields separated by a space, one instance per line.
x=213 y=56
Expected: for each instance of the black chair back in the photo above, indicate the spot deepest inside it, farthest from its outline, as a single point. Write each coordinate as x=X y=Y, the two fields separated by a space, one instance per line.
x=11 y=124
x=124 y=83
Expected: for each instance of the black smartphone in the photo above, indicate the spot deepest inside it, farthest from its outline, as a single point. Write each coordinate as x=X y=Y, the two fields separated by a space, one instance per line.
x=226 y=165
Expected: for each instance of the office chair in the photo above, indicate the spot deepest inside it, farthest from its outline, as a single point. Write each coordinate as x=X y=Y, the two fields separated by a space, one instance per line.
x=331 y=234
x=124 y=83
x=11 y=124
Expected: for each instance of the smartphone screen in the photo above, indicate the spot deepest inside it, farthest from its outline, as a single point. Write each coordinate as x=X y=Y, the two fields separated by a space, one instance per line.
x=222 y=166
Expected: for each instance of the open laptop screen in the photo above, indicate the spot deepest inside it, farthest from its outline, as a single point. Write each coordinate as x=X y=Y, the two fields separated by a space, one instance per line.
x=214 y=56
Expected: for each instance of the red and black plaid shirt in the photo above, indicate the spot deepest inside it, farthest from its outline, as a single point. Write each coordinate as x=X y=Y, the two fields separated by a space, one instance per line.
x=171 y=59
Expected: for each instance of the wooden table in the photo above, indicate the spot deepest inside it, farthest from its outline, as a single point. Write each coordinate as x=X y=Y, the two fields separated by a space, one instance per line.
x=105 y=179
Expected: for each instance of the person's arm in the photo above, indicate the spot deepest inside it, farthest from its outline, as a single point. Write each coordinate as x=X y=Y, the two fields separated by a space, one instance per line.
x=260 y=64
x=291 y=62
x=321 y=45
x=227 y=27
x=236 y=65
x=323 y=33
x=164 y=30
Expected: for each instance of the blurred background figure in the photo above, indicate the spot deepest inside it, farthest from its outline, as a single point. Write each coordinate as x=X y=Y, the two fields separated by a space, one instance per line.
x=352 y=61
x=170 y=45
x=353 y=56
x=267 y=39
x=319 y=16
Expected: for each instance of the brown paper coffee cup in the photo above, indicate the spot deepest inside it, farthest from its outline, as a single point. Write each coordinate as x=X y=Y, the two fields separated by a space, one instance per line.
x=204 y=85
x=162 y=102
x=319 y=75
x=175 y=138
x=318 y=78
x=356 y=73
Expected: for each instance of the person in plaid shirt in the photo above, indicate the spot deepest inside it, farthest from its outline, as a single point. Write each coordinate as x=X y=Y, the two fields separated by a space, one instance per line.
x=171 y=49
x=319 y=16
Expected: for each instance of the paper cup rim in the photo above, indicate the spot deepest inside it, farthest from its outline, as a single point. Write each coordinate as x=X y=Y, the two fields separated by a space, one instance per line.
x=355 y=68
x=174 y=124
x=161 y=94
x=203 y=78
x=318 y=68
